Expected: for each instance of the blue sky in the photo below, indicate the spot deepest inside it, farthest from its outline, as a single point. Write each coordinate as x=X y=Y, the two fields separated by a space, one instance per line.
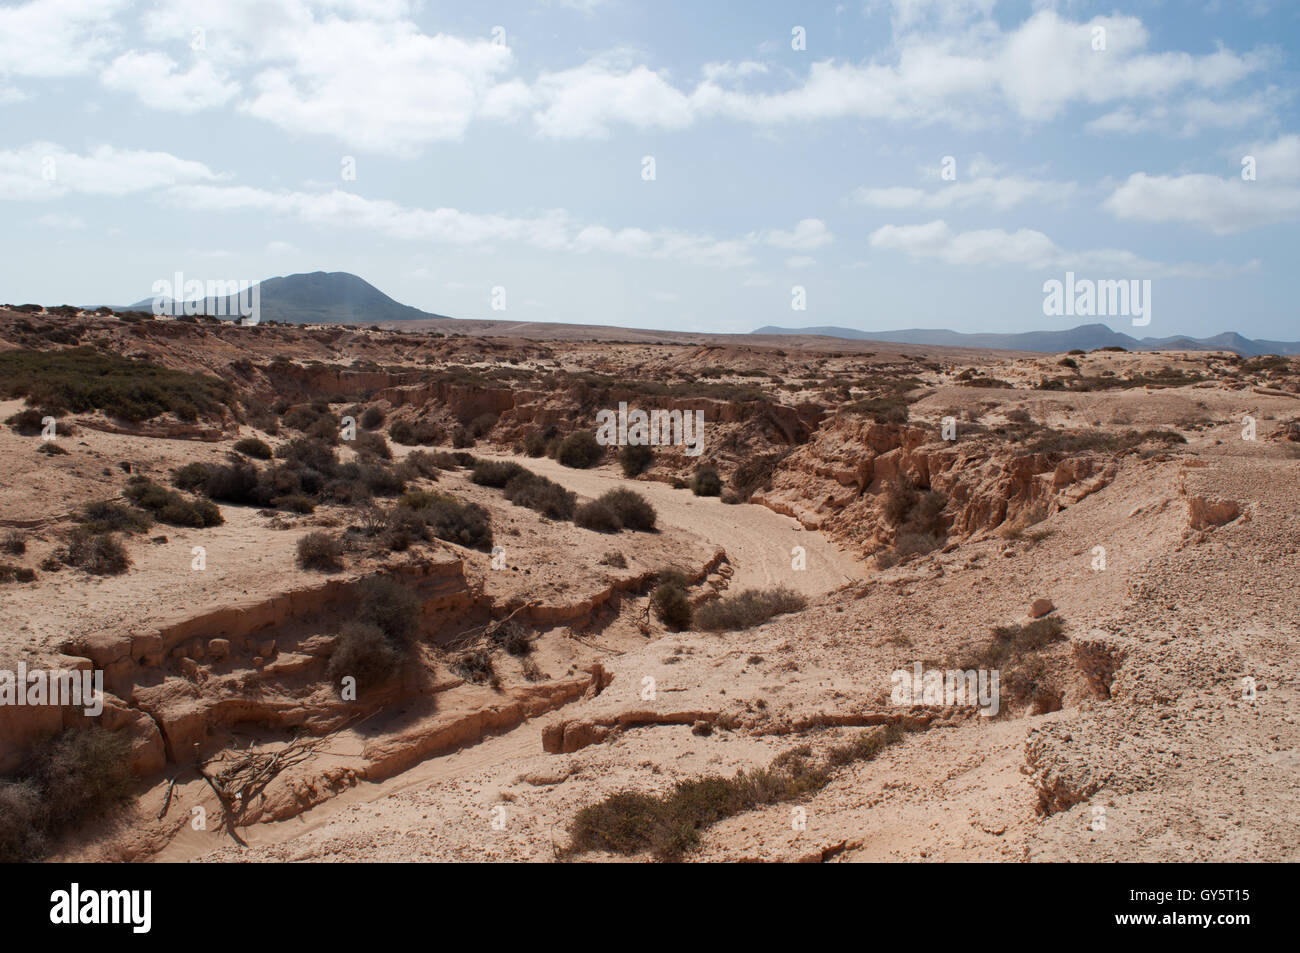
x=1107 y=139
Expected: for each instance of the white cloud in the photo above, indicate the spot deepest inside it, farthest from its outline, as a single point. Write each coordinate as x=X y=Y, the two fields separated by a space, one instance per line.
x=43 y=170
x=1222 y=206
x=1278 y=160
x=153 y=78
x=800 y=261
x=554 y=230
x=382 y=86
x=1027 y=248
x=809 y=233
x=998 y=193
x=48 y=38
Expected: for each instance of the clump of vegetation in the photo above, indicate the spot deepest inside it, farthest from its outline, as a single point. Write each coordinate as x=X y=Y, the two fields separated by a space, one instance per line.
x=535 y=445
x=364 y=653
x=545 y=496
x=747 y=609
x=579 y=450
x=635 y=459
x=447 y=518
x=372 y=417
x=51 y=449
x=67 y=779
x=633 y=510
x=31 y=422
x=320 y=552
x=253 y=447
x=13 y=543
x=596 y=515
x=706 y=482
x=169 y=506
x=511 y=636
x=83 y=379
x=614 y=558
x=669 y=600
x=1100 y=441
x=109 y=517
x=495 y=473
x=476 y=666
x=101 y=554
x=669 y=824
x=422 y=433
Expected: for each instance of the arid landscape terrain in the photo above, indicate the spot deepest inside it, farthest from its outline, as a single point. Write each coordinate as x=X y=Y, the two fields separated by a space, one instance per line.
x=378 y=593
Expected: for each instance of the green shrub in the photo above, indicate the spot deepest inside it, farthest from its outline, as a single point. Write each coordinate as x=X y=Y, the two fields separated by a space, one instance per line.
x=320 y=552
x=253 y=447
x=595 y=515
x=633 y=510
x=192 y=476
x=30 y=423
x=495 y=473
x=706 y=482
x=415 y=433
x=545 y=496
x=83 y=379
x=109 y=517
x=170 y=507
x=747 y=609
x=635 y=459
x=670 y=603
x=466 y=524
x=580 y=450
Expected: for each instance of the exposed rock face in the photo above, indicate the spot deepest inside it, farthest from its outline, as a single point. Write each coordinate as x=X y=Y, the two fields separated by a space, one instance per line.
x=1206 y=514
x=834 y=482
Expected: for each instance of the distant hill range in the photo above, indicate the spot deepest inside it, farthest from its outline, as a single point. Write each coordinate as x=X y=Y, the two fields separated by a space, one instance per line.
x=322 y=297
x=1086 y=336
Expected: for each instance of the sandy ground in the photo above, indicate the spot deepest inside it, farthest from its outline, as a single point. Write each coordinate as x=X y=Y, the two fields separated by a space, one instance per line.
x=758 y=542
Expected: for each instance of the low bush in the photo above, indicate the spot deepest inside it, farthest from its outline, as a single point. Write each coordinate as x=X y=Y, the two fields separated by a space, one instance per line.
x=632 y=509
x=595 y=515
x=670 y=602
x=495 y=473
x=635 y=459
x=96 y=553
x=668 y=824
x=545 y=496
x=415 y=433
x=372 y=418
x=706 y=482
x=747 y=609
x=74 y=776
x=320 y=552
x=83 y=379
x=535 y=445
x=253 y=447
x=366 y=654
x=466 y=524
x=170 y=507
x=579 y=450
x=109 y=517
x=13 y=543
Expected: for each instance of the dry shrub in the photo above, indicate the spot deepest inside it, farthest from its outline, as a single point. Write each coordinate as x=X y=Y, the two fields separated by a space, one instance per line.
x=320 y=552
x=747 y=609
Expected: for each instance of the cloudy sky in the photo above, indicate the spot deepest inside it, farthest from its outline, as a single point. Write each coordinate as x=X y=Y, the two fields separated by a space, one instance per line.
x=685 y=165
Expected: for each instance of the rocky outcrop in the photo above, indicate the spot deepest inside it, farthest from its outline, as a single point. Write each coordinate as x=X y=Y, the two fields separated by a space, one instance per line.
x=835 y=482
